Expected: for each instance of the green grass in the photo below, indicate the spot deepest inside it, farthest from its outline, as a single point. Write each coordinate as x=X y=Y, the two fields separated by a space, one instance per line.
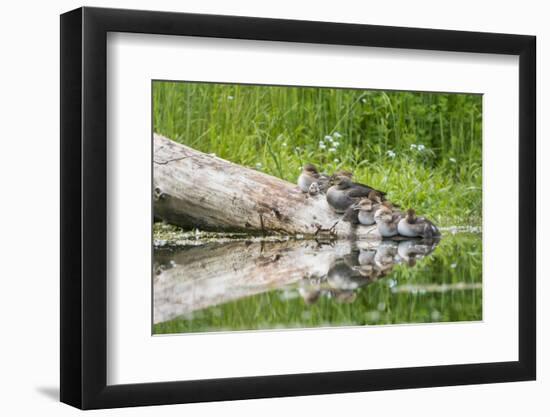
x=457 y=259
x=424 y=149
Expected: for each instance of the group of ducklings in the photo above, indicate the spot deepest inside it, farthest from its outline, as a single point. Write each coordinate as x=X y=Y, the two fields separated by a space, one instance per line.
x=362 y=204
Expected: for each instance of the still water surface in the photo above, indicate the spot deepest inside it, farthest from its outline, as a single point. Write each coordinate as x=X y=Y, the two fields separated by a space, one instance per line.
x=243 y=285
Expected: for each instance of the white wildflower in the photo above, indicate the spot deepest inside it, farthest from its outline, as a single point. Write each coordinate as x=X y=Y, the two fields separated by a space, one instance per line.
x=306 y=315
x=337 y=135
x=322 y=145
x=391 y=154
x=332 y=149
x=230 y=97
x=413 y=146
x=373 y=315
x=336 y=144
x=328 y=138
x=336 y=160
x=421 y=147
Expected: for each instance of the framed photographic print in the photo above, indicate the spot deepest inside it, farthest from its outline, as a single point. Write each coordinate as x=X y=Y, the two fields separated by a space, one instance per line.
x=257 y=207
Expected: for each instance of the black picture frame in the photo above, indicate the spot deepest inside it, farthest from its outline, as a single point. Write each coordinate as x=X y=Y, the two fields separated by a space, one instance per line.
x=84 y=207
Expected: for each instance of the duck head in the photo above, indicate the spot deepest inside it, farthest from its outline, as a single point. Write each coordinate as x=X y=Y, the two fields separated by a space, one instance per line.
x=343 y=173
x=340 y=173
x=310 y=169
x=411 y=216
x=387 y=204
x=375 y=196
x=342 y=182
x=365 y=204
x=383 y=215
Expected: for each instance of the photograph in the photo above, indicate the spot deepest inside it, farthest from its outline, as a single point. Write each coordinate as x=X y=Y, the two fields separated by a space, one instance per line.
x=243 y=194
x=296 y=207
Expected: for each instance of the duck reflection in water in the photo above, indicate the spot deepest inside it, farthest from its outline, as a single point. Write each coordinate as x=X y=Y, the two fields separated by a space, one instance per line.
x=361 y=267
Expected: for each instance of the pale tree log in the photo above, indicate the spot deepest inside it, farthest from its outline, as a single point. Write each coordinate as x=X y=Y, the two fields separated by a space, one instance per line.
x=194 y=189
x=195 y=279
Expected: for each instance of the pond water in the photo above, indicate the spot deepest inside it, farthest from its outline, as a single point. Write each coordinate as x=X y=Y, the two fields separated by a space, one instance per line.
x=245 y=285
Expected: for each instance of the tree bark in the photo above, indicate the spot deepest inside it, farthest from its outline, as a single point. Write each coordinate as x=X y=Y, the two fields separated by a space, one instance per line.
x=193 y=189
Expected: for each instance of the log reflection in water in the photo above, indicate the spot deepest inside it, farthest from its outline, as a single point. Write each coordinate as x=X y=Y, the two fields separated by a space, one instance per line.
x=200 y=277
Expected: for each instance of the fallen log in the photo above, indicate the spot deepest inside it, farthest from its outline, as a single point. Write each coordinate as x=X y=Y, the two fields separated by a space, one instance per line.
x=192 y=189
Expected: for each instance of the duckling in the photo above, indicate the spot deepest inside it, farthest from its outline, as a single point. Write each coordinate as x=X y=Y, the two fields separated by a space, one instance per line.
x=311 y=175
x=393 y=207
x=314 y=188
x=413 y=226
x=365 y=210
x=386 y=220
x=308 y=176
x=376 y=197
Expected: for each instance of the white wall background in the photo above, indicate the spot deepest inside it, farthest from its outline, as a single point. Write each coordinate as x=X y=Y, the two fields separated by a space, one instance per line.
x=29 y=300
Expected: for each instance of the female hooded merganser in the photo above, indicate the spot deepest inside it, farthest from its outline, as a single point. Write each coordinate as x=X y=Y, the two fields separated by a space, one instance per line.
x=309 y=176
x=340 y=196
x=344 y=193
x=413 y=226
x=387 y=219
